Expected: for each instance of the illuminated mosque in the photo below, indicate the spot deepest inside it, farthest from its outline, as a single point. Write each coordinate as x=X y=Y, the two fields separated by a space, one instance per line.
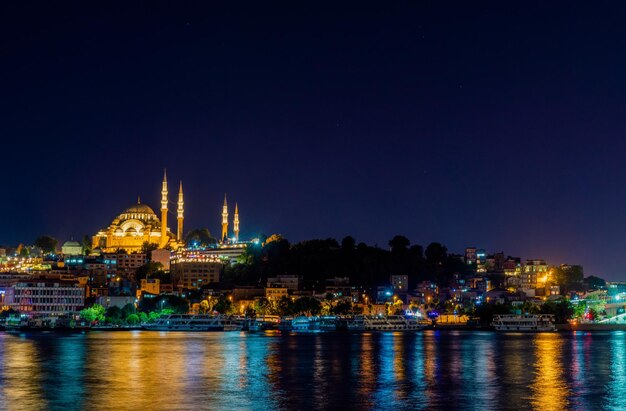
x=139 y=224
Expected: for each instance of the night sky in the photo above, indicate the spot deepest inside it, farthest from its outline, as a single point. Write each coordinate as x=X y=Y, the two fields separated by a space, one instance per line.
x=494 y=125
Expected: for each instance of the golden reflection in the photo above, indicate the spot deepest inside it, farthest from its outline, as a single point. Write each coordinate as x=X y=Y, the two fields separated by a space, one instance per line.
x=367 y=374
x=274 y=365
x=135 y=370
x=399 y=365
x=549 y=389
x=21 y=365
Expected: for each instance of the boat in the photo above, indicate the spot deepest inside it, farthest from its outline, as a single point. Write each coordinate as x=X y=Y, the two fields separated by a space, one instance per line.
x=328 y=323
x=24 y=323
x=263 y=323
x=524 y=323
x=187 y=322
x=305 y=324
x=384 y=323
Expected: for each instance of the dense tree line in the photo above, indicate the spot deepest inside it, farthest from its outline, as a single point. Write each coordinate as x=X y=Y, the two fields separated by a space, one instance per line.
x=368 y=266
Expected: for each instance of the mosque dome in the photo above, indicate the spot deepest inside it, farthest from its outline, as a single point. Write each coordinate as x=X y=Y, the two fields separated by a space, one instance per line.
x=139 y=208
x=141 y=212
x=72 y=248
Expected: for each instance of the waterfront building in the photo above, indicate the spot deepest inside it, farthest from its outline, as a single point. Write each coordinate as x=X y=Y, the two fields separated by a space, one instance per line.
x=615 y=288
x=47 y=296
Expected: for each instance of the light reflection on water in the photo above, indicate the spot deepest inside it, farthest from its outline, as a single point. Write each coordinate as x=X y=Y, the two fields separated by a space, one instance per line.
x=427 y=370
x=549 y=390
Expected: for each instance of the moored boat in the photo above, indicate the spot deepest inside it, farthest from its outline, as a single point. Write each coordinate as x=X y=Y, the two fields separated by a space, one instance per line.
x=186 y=322
x=524 y=323
x=23 y=324
x=384 y=323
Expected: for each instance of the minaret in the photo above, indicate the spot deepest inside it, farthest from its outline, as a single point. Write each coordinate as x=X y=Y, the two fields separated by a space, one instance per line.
x=236 y=223
x=225 y=220
x=164 y=211
x=180 y=213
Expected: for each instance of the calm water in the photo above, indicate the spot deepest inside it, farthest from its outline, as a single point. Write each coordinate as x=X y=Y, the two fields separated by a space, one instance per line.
x=428 y=370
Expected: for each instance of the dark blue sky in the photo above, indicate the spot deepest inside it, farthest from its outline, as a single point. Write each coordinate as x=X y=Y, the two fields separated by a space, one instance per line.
x=499 y=125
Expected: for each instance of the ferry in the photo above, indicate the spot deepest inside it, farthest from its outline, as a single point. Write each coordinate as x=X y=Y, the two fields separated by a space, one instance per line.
x=524 y=323
x=301 y=323
x=263 y=323
x=186 y=322
x=304 y=324
x=384 y=323
x=328 y=323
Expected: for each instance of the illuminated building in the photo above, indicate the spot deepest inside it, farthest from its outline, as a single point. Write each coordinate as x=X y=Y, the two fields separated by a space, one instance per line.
x=139 y=224
x=125 y=263
x=470 y=255
x=236 y=223
x=164 y=234
x=180 y=214
x=193 y=269
x=276 y=293
x=71 y=248
x=225 y=221
x=481 y=261
x=534 y=272
x=150 y=285
x=45 y=296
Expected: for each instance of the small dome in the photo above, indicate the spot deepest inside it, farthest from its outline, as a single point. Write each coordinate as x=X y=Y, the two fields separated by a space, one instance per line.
x=71 y=244
x=139 y=208
x=131 y=230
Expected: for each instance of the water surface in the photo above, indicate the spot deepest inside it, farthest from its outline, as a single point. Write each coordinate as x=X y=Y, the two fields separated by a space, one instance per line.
x=143 y=370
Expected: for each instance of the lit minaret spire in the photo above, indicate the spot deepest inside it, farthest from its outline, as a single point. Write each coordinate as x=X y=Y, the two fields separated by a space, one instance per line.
x=180 y=213
x=164 y=210
x=225 y=220
x=236 y=223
